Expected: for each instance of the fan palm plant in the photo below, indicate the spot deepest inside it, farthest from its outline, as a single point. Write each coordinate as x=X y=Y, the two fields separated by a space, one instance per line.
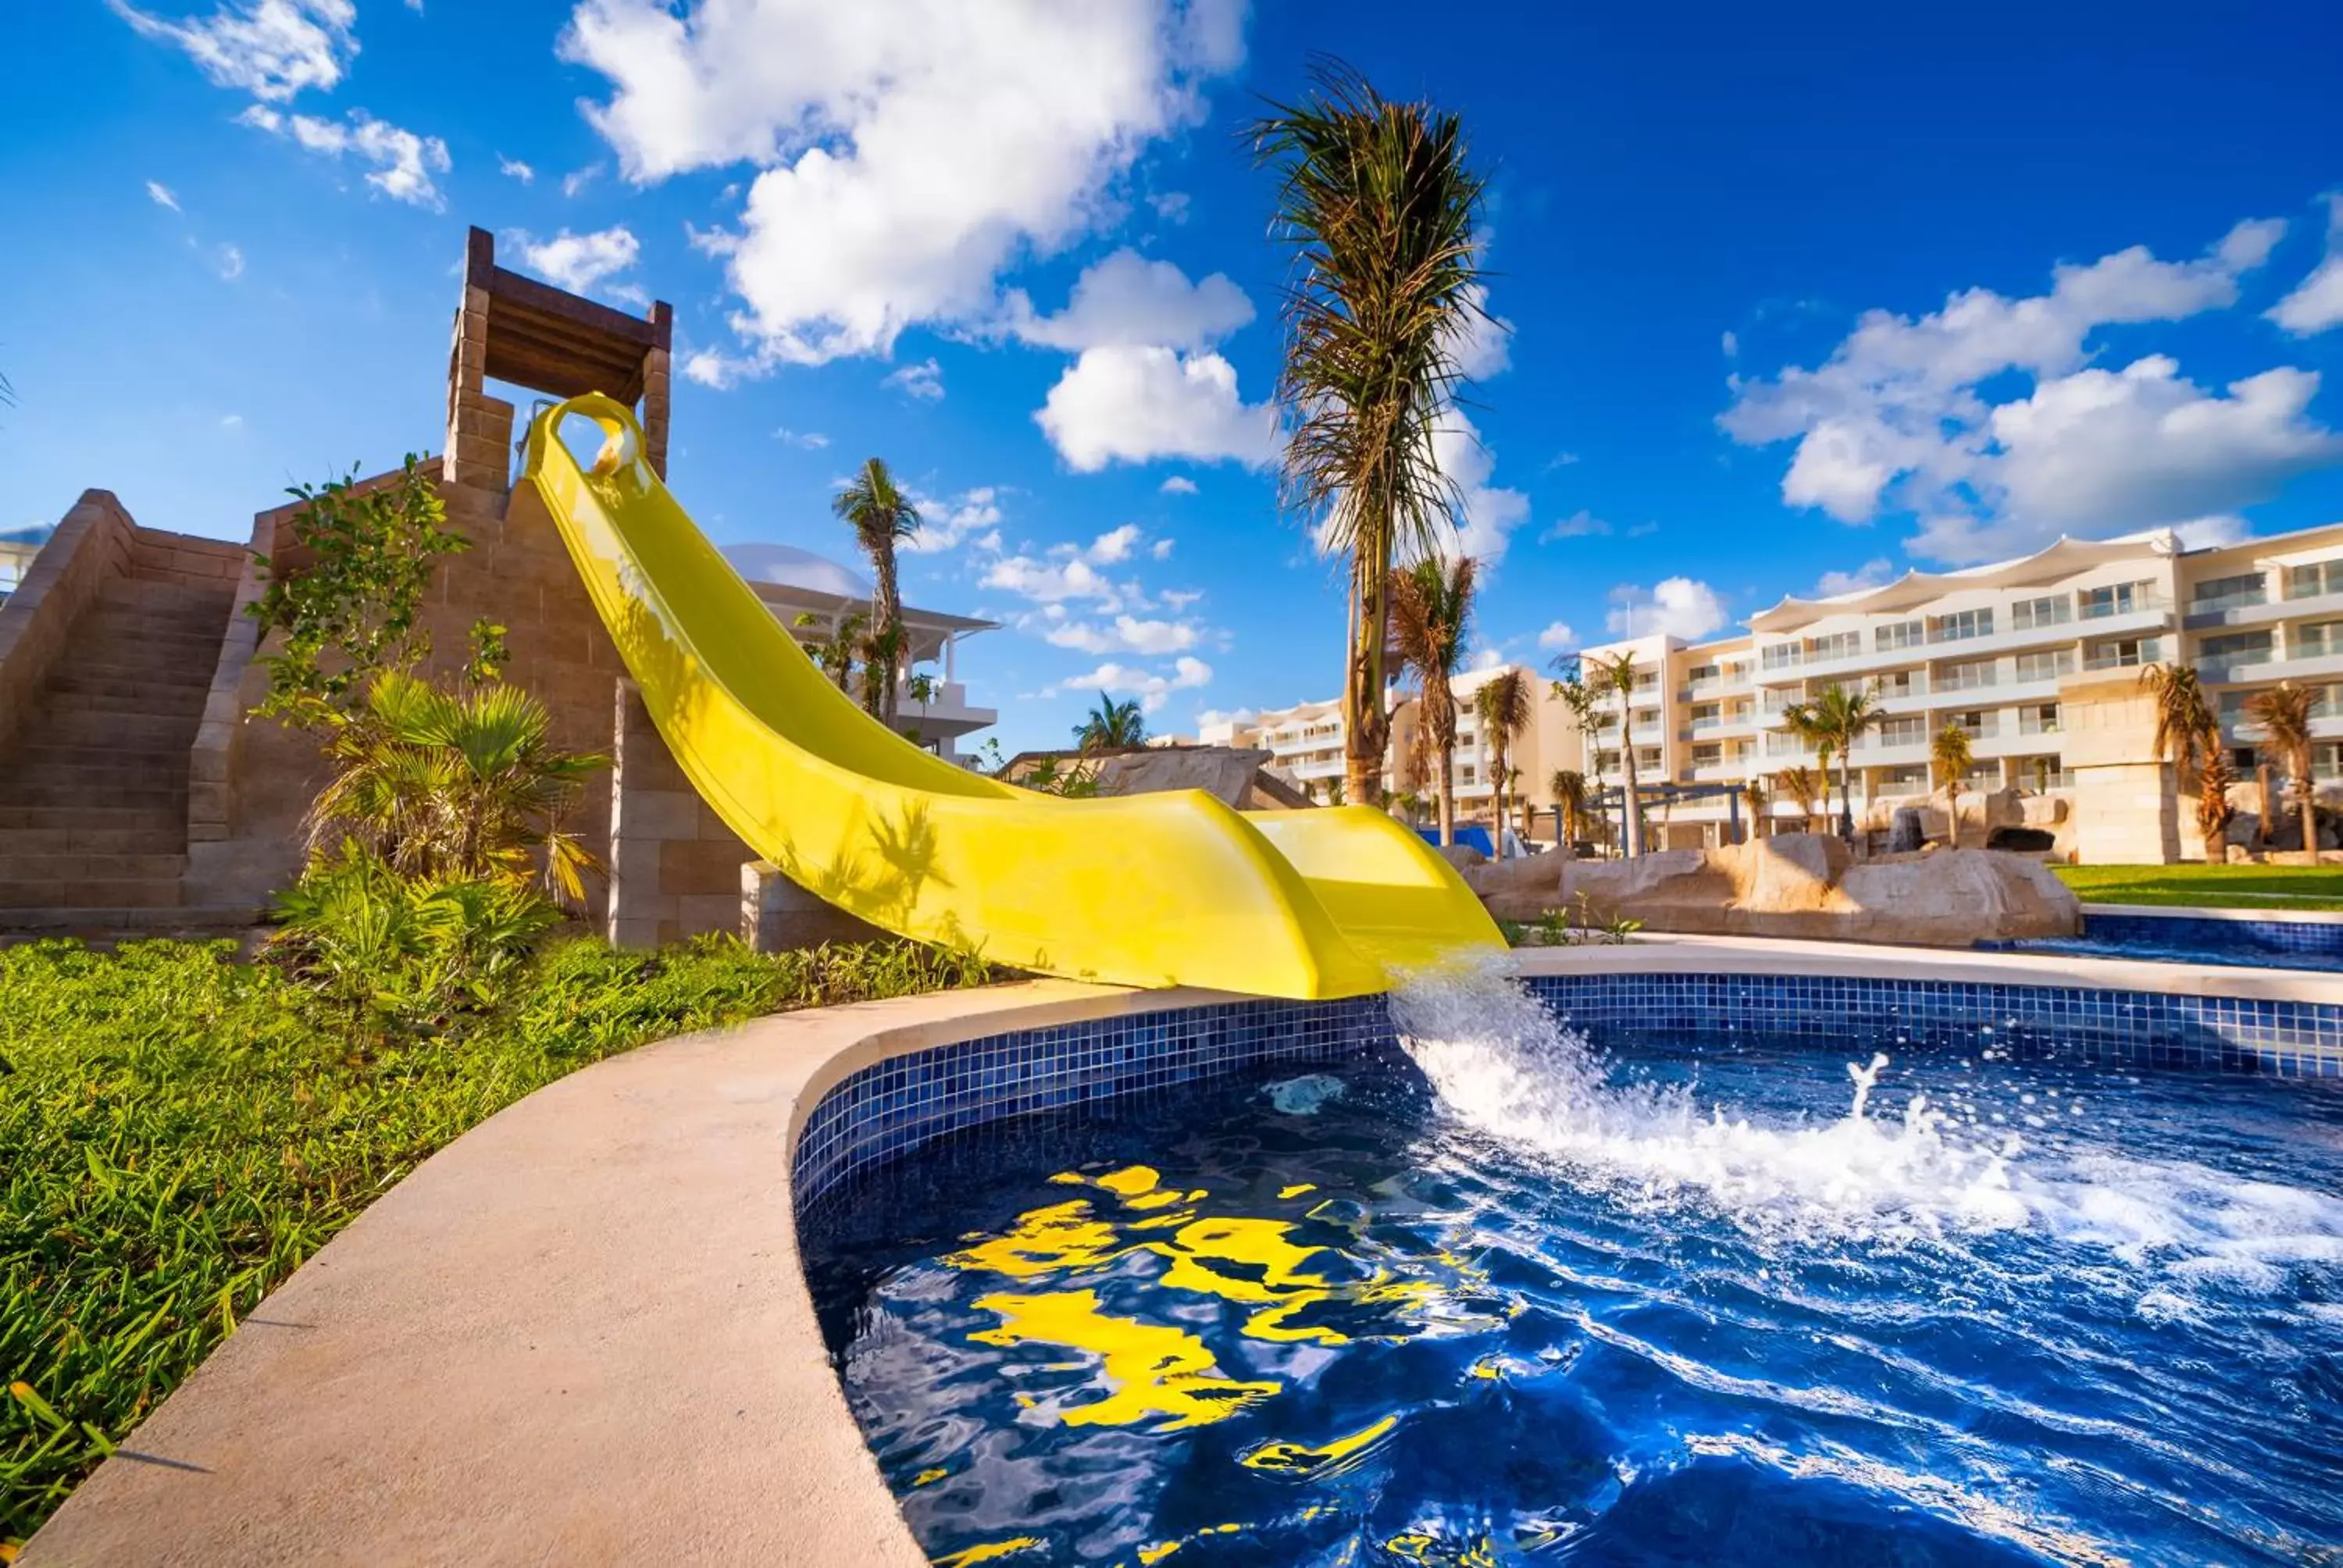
x=1111 y=726
x=1804 y=785
x=2189 y=736
x=1506 y=708
x=443 y=788
x=1381 y=208
x=1569 y=788
x=1951 y=754
x=1616 y=678
x=1838 y=718
x=880 y=514
x=1755 y=801
x=2213 y=809
x=2284 y=713
x=1431 y=608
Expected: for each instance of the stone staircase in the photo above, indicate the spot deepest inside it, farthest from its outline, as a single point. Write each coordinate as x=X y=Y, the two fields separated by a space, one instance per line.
x=93 y=793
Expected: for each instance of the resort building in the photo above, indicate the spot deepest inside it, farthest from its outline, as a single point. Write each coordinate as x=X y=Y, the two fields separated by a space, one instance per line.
x=815 y=597
x=2038 y=659
x=17 y=549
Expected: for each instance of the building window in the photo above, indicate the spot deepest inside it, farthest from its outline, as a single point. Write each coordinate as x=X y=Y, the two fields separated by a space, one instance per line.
x=1902 y=634
x=2316 y=641
x=2123 y=653
x=2046 y=666
x=2227 y=593
x=1706 y=716
x=1839 y=645
x=1977 y=721
x=1902 y=683
x=2117 y=598
x=1707 y=756
x=2032 y=614
x=1960 y=625
x=1779 y=656
x=1906 y=731
x=2311 y=581
x=1911 y=775
x=1701 y=675
x=1965 y=677
x=2235 y=647
x=2038 y=719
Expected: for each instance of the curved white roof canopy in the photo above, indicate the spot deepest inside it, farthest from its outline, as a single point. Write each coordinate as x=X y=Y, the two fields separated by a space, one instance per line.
x=2061 y=560
x=791 y=566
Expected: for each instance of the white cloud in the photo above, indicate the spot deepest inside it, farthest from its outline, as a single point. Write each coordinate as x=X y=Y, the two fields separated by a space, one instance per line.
x=714 y=368
x=1125 y=634
x=811 y=440
x=1126 y=299
x=1177 y=485
x=272 y=49
x=1483 y=347
x=2207 y=533
x=1557 y=637
x=160 y=195
x=1171 y=206
x=1489 y=514
x=513 y=168
x=972 y=517
x=1053 y=581
x=1180 y=598
x=1132 y=403
x=231 y=421
x=1160 y=549
x=231 y=263
x=924 y=380
x=1896 y=417
x=577 y=262
x=1673 y=607
x=1210 y=716
x=1114 y=545
x=1488 y=657
x=1869 y=575
x=2317 y=304
x=403 y=162
x=1730 y=343
x=1580 y=525
x=576 y=180
x=906 y=156
x=1152 y=690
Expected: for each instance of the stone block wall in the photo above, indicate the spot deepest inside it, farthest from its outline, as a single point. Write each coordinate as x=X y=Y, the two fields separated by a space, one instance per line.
x=95 y=544
x=675 y=868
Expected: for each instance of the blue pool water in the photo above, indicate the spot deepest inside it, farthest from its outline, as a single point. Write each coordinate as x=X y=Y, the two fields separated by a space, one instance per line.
x=1491 y=1299
x=2178 y=939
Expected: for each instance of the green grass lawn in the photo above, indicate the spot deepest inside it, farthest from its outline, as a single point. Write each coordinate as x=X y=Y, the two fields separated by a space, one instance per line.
x=2210 y=887
x=179 y=1131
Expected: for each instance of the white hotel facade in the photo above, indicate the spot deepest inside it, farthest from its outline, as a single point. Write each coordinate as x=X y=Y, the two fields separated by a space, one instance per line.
x=2038 y=658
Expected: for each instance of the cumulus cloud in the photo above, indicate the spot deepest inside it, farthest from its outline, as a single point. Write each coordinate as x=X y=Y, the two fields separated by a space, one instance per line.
x=576 y=180
x=577 y=262
x=1052 y=581
x=1124 y=634
x=1132 y=403
x=1114 y=545
x=904 y=161
x=1580 y=525
x=1673 y=607
x=1152 y=689
x=1557 y=637
x=924 y=380
x=1483 y=346
x=1730 y=343
x=403 y=162
x=2318 y=303
x=1126 y=299
x=811 y=440
x=971 y=517
x=1869 y=575
x=513 y=168
x=2209 y=533
x=272 y=49
x=1896 y=418
x=1489 y=513
x=230 y=262
x=160 y=195
x=1177 y=485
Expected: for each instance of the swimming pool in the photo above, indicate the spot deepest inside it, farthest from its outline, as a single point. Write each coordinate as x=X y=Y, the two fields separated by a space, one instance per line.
x=1704 y=1297
x=2236 y=938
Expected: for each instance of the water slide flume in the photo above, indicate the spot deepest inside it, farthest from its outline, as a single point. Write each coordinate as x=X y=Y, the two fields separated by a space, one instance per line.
x=1146 y=890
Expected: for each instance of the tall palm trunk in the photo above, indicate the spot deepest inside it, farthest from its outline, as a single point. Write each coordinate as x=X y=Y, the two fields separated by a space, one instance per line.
x=2310 y=799
x=1627 y=765
x=887 y=605
x=1366 y=728
x=1446 y=792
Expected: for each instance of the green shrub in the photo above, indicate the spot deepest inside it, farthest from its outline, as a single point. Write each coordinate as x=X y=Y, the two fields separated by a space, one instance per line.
x=181 y=1130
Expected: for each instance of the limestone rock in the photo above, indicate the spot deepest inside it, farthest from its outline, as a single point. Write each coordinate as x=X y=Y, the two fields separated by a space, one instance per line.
x=1227 y=773
x=1518 y=889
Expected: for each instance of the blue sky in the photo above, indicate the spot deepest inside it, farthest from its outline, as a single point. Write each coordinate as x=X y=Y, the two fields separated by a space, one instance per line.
x=1790 y=293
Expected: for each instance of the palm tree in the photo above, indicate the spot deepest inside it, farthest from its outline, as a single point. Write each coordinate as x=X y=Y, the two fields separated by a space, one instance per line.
x=1804 y=785
x=1950 y=753
x=2213 y=812
x=1615 y=677
x=1569 y=787
x=1382 y=211
x=880 y=513
x=1838 y=718
x=1506 y=708
x=835 y=653
x=2189 y=736
x=1754 y=801
x=1111 y=726
x=443 y=788
x=1431 y=607
x=2284 y=713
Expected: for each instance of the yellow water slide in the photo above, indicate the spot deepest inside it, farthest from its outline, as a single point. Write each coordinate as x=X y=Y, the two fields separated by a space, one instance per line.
x=1162 y=890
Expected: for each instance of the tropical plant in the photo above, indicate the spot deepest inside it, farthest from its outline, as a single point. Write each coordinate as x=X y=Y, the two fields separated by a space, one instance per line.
x=922 y=689
x=1381 y=208
x=1838 y=718
x=1407 y=805
x=1805 y=787
x=836 y=653
x=1615 y=678
x=2213 y=808
x=1506 y=707
x=1950 y=753
x=2189 y=736
x=880 y=514
x=2284 y=712
x=348 y=609
x=445 y=788
x=1754 y=801
x=1431 y=609
x=882 y=655
x=1111 y=726
x=1569 y=798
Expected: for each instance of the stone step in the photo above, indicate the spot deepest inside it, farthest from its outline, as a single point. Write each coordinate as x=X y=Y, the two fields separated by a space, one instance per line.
x=115 y=676
x=72 y=869
x=125 y=893
x=165 y=598
x=203 y=920
x=145 y=759
x=136 y=731
x=93 y=819
x=142 y=637
x=168 y=840
x=46 y=794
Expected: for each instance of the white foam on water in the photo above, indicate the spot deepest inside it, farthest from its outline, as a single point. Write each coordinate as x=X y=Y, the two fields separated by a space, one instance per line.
x=1504 y=1064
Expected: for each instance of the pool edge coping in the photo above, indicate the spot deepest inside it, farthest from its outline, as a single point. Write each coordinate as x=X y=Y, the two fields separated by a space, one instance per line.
x=574 y=1240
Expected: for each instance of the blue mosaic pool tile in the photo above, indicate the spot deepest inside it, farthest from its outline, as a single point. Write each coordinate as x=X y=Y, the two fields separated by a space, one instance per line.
x=890 y=1107
x=2323 y=938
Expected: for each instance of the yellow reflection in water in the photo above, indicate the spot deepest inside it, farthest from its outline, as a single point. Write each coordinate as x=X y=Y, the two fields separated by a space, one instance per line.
x=990 y=1552
x=1046 y=1240
x=1305 y=1461
x=1156 y=1373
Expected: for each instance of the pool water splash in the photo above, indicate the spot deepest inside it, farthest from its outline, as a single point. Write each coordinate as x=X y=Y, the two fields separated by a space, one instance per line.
x=1507 y=1067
